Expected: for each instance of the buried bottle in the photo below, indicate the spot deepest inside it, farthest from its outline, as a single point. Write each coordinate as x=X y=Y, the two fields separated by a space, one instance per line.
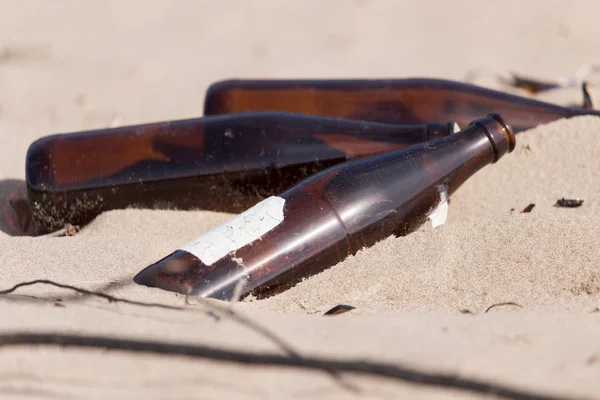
x=329 y=216
x=398 y=101
x=221 y=163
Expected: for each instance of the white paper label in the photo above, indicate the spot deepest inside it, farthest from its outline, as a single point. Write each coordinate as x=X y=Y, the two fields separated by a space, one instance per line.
x=438 y=215
x=239 y=231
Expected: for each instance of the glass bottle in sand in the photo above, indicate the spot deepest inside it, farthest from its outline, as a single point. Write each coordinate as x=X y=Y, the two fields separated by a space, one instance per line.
x=398 y=101
x=221 y=163
x=329 y=216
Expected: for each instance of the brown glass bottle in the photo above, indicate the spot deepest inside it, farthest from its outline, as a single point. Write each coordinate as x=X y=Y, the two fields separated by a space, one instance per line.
x=220 y=163
x=328 y=216
x=397 y=101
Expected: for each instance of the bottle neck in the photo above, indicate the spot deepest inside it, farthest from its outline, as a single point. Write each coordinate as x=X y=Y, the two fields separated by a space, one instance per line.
x=455 y=159
x=420 y=174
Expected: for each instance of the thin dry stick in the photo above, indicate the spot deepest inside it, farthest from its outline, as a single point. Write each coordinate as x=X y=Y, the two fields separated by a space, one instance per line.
x=395 y=372
x=284 y=346
x=507 y=303
x=287 y=348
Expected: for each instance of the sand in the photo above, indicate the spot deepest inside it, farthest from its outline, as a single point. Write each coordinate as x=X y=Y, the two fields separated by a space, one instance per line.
x=492 y=301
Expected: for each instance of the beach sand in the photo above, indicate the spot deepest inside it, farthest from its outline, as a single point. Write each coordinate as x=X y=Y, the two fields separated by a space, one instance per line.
x=494 y=301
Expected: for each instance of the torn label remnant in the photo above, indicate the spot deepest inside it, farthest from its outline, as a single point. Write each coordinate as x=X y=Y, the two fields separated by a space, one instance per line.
x=237 y=232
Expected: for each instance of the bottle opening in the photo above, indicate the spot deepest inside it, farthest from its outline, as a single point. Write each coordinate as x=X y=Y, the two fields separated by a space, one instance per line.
x=508 y=131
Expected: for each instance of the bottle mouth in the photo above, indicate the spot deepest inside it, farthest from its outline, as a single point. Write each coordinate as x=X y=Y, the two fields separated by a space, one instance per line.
x=500 y=134
x=507 y=129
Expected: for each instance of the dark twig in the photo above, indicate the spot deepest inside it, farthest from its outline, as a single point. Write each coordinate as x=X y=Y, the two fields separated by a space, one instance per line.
x=508 y=303
x=339 y=309
x=284 y=346
x=391 y=371
x=112 y=299
x=86 y=292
